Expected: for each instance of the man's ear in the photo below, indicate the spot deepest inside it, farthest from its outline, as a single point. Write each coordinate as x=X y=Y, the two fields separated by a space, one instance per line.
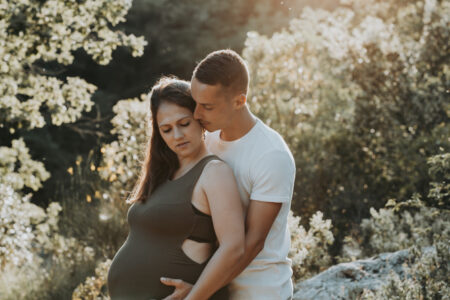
x=240 y=100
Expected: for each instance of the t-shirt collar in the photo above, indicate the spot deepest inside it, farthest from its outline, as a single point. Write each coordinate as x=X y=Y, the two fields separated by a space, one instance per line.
x=245 y=136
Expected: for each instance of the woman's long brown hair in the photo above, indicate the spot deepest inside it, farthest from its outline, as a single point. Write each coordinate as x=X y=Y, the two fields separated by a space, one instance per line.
x=160 y=161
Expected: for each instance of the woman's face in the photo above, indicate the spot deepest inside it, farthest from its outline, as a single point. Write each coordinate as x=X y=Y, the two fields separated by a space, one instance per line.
x=178 y=129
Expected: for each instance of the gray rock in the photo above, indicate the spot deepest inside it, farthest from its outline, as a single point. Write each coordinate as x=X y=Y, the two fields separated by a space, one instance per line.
x=348 y=280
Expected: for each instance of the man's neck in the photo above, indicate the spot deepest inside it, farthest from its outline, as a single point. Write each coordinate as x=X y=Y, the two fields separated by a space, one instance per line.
x=241 y=124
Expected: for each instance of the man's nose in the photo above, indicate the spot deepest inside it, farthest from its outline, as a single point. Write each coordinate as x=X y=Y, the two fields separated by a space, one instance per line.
x=197 y=112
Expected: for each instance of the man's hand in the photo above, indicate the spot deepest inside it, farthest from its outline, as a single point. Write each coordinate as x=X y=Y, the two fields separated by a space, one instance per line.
x=182 y=288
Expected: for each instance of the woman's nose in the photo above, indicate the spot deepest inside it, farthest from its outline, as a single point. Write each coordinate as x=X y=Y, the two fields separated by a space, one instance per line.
x=177 y=133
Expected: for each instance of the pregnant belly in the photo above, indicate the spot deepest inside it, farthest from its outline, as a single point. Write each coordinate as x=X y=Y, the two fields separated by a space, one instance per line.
x=136 y=270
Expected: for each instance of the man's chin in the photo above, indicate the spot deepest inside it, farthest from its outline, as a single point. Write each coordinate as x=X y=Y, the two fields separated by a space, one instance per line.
x=210 y=128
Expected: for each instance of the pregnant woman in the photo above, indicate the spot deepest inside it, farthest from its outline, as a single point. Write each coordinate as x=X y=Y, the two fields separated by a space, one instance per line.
x=186 y=220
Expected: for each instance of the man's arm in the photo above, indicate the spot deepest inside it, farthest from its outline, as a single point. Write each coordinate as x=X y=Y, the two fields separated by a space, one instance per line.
x=273 y=177
x=259 y=220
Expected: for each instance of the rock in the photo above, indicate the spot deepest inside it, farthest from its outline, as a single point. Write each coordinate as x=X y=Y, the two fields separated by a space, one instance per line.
x=348 y=280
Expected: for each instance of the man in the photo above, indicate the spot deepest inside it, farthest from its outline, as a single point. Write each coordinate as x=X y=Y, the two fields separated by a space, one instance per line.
x=264 y=169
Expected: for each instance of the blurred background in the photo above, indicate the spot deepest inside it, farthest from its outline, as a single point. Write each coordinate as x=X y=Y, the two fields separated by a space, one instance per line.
x=358 y=89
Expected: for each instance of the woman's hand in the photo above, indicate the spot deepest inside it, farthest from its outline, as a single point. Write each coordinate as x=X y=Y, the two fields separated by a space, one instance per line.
x=182 y=288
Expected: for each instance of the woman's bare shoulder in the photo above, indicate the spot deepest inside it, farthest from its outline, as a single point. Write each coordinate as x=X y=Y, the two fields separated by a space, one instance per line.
x=216 y=166
x=219 y=184
x=215 y=171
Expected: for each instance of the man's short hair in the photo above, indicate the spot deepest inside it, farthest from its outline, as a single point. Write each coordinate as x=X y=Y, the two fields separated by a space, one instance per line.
x=224 y=67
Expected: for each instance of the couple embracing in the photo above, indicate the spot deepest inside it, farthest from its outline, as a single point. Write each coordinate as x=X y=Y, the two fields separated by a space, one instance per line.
x=209 y=212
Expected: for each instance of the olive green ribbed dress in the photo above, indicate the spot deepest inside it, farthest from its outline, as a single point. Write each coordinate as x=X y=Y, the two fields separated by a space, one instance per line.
x=152 y=249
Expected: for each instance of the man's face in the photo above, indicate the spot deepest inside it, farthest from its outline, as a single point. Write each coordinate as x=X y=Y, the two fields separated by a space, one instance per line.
x=213 y=110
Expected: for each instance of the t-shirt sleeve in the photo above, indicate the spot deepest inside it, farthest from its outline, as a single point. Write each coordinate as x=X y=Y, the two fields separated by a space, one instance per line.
x=273 y=177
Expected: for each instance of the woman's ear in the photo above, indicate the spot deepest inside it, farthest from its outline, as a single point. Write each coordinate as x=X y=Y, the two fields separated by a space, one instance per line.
x=203 y=133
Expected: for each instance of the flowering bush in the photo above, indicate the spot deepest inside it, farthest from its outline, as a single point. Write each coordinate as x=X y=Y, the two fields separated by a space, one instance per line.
x=427 y=278
x=122 y=158
x=439 y=170
x=34 y=258
x=94 y=287
x=37 y=40
x=309 y=249
x=35 y=34
x=35 y=31
x=361 y=96
x=18 y=170
x=412 y=224
x=409 y=223
x=17 y=237
x=388 y=230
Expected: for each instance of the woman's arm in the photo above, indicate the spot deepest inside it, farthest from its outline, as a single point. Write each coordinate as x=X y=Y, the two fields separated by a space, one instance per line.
x=220 y=188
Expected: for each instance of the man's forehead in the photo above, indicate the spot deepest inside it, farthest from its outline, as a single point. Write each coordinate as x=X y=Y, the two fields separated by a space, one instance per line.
x=205 y=93
x=206 y=101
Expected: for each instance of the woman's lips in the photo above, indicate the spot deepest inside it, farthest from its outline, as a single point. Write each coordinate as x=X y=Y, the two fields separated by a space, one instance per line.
x=182 y=145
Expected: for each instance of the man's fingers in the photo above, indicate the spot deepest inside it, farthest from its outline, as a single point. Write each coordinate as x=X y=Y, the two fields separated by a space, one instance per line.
x=182 y=288
x=170 y=297
x=171 y=281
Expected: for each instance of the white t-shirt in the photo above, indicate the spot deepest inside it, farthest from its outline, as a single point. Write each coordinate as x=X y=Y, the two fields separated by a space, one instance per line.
x=265 y=171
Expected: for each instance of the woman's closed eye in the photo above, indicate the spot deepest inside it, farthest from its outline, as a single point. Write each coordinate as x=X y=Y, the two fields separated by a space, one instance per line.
x=184 y=124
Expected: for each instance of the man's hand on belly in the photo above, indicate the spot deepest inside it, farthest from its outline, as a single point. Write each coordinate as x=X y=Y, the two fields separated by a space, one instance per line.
x=182 y=288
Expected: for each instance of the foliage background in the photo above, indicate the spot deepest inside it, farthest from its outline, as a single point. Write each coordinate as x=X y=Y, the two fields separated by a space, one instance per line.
x=358 y=89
